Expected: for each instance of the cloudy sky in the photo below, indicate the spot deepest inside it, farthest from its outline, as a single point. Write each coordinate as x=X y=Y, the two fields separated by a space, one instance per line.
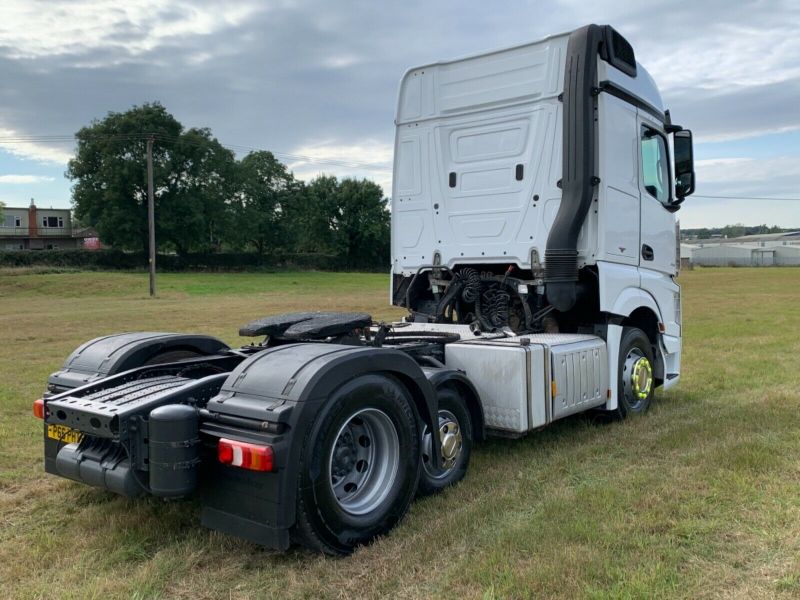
x=319 y=80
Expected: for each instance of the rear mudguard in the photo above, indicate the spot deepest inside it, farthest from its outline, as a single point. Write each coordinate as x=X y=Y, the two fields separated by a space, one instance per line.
x=285 y=388
x=112 y=354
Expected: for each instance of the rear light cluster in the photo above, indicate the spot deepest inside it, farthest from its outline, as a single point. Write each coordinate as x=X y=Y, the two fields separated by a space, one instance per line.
x=38 y=408
x=244 y=455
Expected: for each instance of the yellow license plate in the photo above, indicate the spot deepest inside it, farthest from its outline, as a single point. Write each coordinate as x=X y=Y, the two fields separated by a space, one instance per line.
x=64 y=434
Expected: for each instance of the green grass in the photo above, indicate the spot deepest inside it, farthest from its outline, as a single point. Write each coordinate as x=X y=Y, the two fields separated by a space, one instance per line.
x=700 y=498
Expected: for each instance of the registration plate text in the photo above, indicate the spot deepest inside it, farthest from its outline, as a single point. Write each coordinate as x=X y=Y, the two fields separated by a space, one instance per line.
x=63 y=434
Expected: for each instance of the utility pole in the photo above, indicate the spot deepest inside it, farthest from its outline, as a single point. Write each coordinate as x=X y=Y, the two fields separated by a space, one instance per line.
x=151 y=219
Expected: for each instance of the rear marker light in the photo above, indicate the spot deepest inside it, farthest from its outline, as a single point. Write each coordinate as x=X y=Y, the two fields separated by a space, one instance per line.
x=244 y=455
x=38 y=408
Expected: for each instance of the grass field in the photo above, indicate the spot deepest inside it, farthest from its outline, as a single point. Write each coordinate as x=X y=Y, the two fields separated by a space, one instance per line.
x=700 y=498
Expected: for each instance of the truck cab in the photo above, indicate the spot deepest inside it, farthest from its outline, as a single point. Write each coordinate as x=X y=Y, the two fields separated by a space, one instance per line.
x=546 y=174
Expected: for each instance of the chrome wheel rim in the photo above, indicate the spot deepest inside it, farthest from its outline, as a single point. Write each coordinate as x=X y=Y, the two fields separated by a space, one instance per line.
x=452 y=444
x=637 y=377
x=364 y=461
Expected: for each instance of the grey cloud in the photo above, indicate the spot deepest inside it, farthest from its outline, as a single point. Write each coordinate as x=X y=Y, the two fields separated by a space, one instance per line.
x=268 y=82
x=737 y=112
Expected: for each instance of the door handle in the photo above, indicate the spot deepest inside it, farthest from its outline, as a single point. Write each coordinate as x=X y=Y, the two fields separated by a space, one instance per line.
x=647 y=252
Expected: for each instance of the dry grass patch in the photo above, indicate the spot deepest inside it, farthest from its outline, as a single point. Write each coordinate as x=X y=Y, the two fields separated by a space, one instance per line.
x=699 y=499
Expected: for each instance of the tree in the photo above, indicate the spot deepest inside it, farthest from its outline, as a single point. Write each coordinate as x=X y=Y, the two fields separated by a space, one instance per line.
x=348 y=218
x=196 y=212
x=110 y=173
x=312 y=216
x=205 y=200
x=193 y=176
x=704 y=233
x=361 y=223
x=265 y=188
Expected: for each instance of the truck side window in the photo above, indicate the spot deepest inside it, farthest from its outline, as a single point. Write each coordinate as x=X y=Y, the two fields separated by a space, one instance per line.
x=655 y=164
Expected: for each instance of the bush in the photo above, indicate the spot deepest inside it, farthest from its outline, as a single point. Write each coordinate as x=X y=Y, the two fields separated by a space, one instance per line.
x=119 y=260
x=83 y=259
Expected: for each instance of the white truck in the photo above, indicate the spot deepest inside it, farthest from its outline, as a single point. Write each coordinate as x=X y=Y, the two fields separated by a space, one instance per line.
x=535 y=246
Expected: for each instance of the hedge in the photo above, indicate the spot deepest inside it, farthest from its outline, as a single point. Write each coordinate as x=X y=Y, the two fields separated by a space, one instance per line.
x=117 y=259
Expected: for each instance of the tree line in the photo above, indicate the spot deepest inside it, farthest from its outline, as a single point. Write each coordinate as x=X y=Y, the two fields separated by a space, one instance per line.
x=207 y=200
x=732 y=231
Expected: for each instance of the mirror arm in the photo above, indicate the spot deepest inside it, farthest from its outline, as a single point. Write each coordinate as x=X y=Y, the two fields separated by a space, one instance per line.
x=669 y=127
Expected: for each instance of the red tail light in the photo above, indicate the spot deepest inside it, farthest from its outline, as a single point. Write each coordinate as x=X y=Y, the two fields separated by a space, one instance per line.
x=38 y=408
x=244 y=455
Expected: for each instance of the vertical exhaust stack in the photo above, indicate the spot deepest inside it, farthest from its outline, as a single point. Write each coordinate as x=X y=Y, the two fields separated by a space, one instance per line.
x=578 y=159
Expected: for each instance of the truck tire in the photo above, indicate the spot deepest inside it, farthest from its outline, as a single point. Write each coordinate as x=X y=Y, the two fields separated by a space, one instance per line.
x=171 y=356
x=455 y=429
x=635 y=383
x=359 y=465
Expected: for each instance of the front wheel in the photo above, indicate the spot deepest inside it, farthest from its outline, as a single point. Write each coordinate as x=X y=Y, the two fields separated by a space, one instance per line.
x=359 y=466
x=635 y=384
x=455 y=436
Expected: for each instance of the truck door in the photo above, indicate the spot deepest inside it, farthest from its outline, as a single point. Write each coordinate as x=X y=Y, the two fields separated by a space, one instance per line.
x=618 y=156
x=657 y=250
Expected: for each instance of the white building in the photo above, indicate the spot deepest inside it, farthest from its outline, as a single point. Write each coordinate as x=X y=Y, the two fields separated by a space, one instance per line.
x=787 y=255
x=686 y=255
x=734 y=255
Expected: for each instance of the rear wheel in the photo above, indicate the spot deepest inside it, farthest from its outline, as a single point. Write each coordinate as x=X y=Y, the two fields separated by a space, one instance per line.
x=359 y=467
x=455 y=436
x=635 y=385
x=171 y=356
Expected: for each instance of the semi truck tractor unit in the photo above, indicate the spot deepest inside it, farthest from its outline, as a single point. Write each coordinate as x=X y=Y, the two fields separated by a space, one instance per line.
x=535 y=248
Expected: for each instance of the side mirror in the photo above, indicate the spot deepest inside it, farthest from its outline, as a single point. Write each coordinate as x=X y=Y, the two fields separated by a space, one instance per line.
x=684 y=163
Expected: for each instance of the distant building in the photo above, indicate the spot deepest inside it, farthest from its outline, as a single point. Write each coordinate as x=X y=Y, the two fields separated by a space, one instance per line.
x=787 y=255
x=790 y=237
x=759 y=250
x=734 y=255
x=91 y=241
x=34 y=228
x=686 y=255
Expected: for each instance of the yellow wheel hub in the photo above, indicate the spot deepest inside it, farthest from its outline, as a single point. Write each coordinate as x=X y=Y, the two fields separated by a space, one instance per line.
x=642 y=378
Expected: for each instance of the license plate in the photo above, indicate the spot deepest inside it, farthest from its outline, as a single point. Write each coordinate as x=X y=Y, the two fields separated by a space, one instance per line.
x=63 y=434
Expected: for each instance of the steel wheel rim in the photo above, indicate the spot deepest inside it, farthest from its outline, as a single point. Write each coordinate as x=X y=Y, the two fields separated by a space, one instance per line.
x=452 y=444
x=637 y=377
x=364 y=461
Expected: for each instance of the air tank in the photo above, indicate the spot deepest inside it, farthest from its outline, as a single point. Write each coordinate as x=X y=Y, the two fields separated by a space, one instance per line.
x=174 y=450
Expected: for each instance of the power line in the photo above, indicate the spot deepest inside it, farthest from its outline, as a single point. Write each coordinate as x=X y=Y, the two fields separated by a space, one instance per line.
x=70 y=138
x=65 y=138
x=287 y=155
